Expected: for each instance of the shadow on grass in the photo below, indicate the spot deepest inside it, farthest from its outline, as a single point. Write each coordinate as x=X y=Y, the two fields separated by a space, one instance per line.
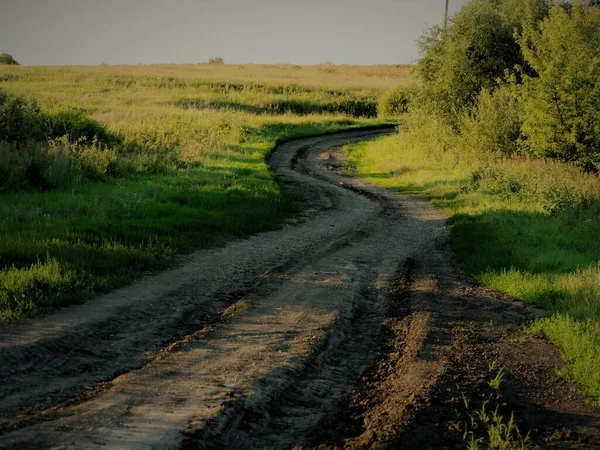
x=349 y=106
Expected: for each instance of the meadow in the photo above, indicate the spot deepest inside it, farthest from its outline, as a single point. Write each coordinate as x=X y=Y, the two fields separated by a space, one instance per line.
x=112 y=172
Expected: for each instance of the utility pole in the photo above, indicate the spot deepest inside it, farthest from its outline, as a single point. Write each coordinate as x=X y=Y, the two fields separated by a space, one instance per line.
x=446 y=16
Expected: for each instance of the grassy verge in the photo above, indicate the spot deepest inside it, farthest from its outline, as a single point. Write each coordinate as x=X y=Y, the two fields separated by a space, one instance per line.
x=186 y=168
x=526 y=227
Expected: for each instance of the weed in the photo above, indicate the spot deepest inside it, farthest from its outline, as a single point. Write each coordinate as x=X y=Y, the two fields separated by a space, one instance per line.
x=498 y=378
x=488 y=429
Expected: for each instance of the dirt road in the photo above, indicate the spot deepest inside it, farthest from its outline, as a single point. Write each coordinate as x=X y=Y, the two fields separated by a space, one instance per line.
x=351 y=328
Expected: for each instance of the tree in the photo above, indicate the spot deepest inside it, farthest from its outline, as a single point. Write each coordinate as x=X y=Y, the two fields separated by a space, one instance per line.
x=5 y=58
x=476 y=50
x=470 y=56
x=561 y=104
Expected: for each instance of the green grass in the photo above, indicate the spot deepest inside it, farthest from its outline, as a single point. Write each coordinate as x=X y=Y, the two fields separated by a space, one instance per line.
x=526 y=227
x=183 y=176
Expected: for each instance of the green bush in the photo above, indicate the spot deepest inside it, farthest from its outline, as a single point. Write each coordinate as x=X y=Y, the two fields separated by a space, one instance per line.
x=494 y=126
x=562 y=116
x=40 y=150
x=396 y=101
x=75 y=124
x=20 y=119
x=57 y=164
x=216 y=61
x=476 y=49
x=7 y=59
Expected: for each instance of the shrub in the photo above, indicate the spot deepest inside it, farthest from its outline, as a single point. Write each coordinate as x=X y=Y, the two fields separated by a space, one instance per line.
x=75 y=124
x=20 y=119
x=216 y=61
x=396 y=101
x=494 y=126
x=562 y=117
x=474 y=51
x=7 y=59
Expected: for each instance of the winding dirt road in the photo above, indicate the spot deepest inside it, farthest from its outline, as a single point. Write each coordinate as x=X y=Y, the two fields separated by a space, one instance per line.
x=351 y=328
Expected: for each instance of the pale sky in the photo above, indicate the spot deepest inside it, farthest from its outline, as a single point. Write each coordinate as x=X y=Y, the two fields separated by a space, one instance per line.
x=59 y=32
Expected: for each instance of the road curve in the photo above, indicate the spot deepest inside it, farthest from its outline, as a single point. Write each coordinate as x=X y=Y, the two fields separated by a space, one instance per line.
x=262 y=343
x=144 y=363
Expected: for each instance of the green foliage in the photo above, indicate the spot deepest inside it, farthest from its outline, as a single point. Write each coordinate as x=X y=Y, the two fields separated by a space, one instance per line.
x=494 y=125
x=20 y=120
x=216 y=60
x=561 y=113
x=396 y=101
x=477 y=48
x=8 y=60
x=23 y=120
x=42 y=150
x=489 y=430
x=549 y=54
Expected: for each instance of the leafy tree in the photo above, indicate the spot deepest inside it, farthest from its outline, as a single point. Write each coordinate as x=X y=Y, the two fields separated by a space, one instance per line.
x=561 y=104
x=6 y=59
x=470 y=56
x=477 y=49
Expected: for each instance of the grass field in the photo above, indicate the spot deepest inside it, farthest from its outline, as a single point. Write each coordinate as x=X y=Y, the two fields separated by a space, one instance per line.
x=184 y=167
x=526 y=227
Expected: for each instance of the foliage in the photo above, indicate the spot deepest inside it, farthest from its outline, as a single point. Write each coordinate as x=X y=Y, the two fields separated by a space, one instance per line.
x=20 y=120
x=579 y=343
x=8 y=60
x=396 y=101
x=494 y=125
x=561 y=113
x=23 y=120
x=490 y=430
x=216 y=60
x=514 y=77
x=476 y=50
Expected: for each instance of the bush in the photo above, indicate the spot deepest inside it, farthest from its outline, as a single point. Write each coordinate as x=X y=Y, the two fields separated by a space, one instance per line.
x=395 y=101
x=20 y=120
x=494 y=126
x=216 y=61
x=562 y=117
x=7 y=59
x=477 y=48
x=77 y=126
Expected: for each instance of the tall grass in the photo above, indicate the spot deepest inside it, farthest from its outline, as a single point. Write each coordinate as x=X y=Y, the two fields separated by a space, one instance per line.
x=522 y=226
x=179 y=165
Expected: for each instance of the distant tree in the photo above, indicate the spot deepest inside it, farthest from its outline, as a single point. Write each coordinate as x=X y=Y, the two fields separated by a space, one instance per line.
x=216 y=61
x=6 y=59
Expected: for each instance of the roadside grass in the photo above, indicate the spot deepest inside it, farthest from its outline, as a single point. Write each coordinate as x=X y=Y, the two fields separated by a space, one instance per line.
x=525 y=227
x=180 y=178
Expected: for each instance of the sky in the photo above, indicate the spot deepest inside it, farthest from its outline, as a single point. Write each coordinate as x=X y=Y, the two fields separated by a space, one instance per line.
x=89 y=32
